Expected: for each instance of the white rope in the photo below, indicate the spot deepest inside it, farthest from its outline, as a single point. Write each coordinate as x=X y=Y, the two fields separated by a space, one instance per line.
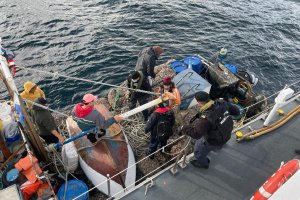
x=46 y=107
x=82 y=120
x=56 y=74
x=134 y=130
x=127 y=168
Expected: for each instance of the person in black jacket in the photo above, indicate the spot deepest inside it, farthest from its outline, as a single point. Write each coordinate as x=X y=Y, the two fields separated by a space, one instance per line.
x=212 y=127
x=137 y=80
x=46 y=123
x=147 y=61
x=160 y=125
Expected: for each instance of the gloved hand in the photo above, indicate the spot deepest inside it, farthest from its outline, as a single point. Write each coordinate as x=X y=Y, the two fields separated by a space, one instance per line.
x=194 y=118
x=102 y=132
x=180 y=131
x=92 y=137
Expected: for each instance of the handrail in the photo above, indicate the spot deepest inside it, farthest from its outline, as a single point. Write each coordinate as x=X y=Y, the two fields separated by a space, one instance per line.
x=103 y=182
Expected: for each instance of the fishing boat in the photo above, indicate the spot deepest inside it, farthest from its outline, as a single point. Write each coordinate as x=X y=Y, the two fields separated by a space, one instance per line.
x=21 y=167
x=195 y=73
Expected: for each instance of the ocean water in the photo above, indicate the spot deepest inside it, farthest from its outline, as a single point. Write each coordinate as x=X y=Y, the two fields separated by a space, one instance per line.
x=100 y=40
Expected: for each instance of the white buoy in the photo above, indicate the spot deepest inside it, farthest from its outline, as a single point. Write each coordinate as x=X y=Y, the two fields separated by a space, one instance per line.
x=280 y=101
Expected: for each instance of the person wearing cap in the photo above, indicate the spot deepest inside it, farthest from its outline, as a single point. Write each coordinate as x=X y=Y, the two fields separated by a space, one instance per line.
x=136 y=80
x=172 y=92
x=87 y=111
x=147 y=61
x=45 y=122
x=159 y=125
x=31 y=92
x=211 y=127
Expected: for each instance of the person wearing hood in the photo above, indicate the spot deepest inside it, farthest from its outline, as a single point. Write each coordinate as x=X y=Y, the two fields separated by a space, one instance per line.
x=147 y=61
x=31 y=92
x=159 y=125
x=136 y=80
x=45 y=122
x=87 y=111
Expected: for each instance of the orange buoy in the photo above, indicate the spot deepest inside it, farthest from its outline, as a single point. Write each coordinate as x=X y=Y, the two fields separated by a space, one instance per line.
x=277 y=180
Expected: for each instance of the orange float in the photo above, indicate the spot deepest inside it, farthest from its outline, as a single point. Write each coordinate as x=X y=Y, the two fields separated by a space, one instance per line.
x=277 y=180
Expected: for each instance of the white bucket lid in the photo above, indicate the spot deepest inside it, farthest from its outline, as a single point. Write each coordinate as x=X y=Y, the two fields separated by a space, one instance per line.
x=5 y=110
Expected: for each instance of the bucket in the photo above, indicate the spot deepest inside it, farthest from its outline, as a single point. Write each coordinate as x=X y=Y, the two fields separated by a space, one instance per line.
x=176 y=63
x=11 y=132
x=232 y=68
x=194 y=62
x=74 y=189
x=179 y=69
x=5 y=114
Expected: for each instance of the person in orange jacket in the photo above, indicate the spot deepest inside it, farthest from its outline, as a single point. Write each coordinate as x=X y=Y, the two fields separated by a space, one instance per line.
x=169 y=88
x=31 y=92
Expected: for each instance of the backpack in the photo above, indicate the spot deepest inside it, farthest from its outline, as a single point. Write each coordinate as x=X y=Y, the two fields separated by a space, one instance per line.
x=164 y=127
x=222 y=124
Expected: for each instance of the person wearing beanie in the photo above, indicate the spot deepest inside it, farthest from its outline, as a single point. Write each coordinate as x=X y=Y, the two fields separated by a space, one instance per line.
x=211 y=127
x=159 y=125
x=169 y=88
x=147 y=61
x=87 y=111
x=31 y=92
x=45 y=122
x=137 y=80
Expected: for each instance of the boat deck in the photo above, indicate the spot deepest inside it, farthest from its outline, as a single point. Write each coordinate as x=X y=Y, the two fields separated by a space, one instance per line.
x=235 y=172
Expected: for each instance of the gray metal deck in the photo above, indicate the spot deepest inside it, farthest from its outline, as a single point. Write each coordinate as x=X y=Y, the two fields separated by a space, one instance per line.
x=235 y=172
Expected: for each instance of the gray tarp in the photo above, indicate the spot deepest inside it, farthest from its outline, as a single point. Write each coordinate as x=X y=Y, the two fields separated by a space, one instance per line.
x=188 y=83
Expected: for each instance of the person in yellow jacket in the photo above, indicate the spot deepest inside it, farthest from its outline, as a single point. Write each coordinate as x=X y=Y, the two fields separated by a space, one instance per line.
x=31 y=92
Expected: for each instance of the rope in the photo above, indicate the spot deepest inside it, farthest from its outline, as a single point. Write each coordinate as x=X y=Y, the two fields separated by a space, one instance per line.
x=134 y=130
x=58 y=112
x=287 y=86
x=47 y=108
x=56 y=74
x=181 y=150
x=56 y=155
x=116 y=99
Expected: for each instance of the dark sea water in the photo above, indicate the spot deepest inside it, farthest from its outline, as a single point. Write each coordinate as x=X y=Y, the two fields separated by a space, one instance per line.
x=100 y=40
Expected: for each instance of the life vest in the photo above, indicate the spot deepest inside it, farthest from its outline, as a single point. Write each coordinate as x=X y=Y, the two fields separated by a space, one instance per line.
x=139 y=84
x=221 y=121
x=277 y=180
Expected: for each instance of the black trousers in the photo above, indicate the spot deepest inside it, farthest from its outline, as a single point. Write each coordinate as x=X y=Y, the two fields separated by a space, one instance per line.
x=49 y=139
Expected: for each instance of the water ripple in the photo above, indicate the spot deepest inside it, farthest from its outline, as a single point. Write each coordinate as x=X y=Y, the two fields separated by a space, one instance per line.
x=100 y=40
